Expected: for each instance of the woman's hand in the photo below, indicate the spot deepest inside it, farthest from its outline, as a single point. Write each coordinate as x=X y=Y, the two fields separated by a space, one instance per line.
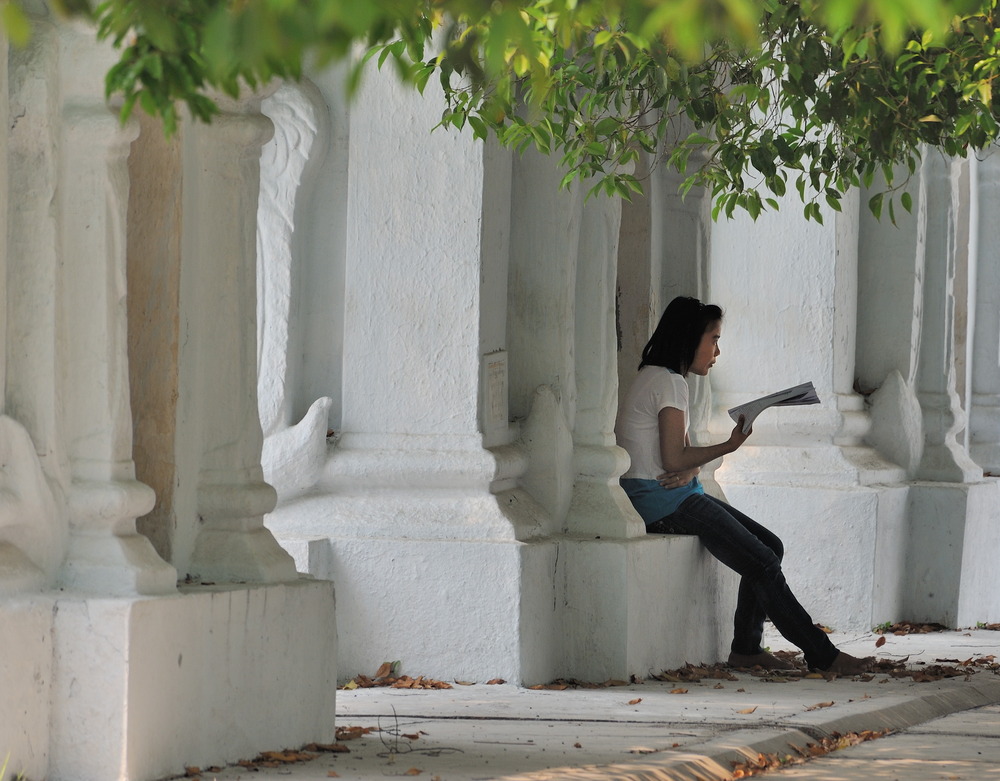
x=737 y=438
x=678 y=479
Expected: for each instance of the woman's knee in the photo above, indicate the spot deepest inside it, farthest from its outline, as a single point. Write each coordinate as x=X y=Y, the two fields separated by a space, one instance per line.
x=772 y=541
x=769 y=569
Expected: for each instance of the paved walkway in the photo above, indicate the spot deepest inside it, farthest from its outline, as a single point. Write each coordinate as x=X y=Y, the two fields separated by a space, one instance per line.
x=941 y=728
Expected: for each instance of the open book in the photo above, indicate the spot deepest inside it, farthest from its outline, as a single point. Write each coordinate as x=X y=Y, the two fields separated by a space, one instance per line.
x=800 y=394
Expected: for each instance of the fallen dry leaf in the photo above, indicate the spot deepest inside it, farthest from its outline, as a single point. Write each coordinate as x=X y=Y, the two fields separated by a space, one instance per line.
x=636 y=701
x=466 y=683
x=819 y=705
x=332 y=774
x=411 y=735
x=880 y=642
x=331 y=748
x=691 y=673
x=352 y=733
x=413 y=772
x=577 y=745
x=402 y=682
x=286 y=757
x=495 y=681
x=764 y=762
x=748 y=710
x=678 y=691
x=384 y=670
x=906 y=628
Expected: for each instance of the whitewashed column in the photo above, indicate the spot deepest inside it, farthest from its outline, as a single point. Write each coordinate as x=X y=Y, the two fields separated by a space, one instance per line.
x=636 y=287
x=599 y=506
x=943 y=459
x=106 y=553
x=412 y=343
x=33 y=387
x=544 y=246
x=420 y=493
x=218 y=363
x=984 y=415
x=789 y=288
x=32 y=537
x=680 y=253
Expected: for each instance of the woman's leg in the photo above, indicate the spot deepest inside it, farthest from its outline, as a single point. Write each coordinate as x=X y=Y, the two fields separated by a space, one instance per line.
x=744 y=545
x=748 y=621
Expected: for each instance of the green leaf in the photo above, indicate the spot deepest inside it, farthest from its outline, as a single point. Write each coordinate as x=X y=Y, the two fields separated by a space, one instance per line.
x=15 y=23
x=875 y=205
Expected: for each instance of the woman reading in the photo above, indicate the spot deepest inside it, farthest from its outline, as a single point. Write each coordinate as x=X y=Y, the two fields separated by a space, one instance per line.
x=662 y=483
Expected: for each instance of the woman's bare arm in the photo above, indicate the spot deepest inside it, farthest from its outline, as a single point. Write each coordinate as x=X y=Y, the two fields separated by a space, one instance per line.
x=676 y=452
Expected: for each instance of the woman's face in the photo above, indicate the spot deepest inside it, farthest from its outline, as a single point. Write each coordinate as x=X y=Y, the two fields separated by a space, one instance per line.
x=708 y=349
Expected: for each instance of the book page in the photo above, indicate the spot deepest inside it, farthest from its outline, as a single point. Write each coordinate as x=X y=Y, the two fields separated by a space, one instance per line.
x=796 y=395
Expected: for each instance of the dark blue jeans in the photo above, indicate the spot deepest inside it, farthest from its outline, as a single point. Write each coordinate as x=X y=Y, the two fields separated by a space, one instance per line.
x=755 y=553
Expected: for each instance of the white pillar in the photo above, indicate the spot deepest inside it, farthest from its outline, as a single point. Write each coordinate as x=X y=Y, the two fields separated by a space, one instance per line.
x=681 y=258
x=218 y=363
x=106 y=554
x=32 y=540
x=789 y=288
x=611 y=624
x=951 y=534
x=545 y=241
x=944 y=458
x=598 y=506
x=984 y=415
x=420 y=493
x=933 y=566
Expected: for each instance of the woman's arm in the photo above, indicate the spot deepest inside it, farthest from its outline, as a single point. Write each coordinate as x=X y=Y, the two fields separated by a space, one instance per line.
x=676 y=452
x=676 y=479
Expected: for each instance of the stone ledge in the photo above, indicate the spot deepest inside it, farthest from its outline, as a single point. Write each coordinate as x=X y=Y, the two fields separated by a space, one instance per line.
x=142 y=687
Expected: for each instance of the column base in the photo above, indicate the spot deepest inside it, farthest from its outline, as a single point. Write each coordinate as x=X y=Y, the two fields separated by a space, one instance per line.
x=951 y=558
x=471 y=610
x=533 y=611
x=598 y=505
x=100 y=562
x=130 y=673
x=240 y=556
x=646 y=604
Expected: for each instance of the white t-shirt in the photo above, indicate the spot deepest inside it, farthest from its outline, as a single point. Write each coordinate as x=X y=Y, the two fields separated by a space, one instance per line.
x=638 y=426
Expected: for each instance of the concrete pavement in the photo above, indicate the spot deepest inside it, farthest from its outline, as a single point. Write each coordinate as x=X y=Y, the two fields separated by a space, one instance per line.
x=964 y=746
x=679 y=729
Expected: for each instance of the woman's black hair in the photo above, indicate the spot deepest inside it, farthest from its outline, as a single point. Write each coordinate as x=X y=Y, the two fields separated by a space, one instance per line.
x=678 y=334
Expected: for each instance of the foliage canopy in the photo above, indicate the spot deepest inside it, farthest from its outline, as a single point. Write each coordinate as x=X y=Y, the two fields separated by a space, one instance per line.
x=745 y=97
